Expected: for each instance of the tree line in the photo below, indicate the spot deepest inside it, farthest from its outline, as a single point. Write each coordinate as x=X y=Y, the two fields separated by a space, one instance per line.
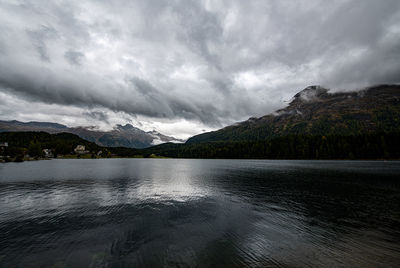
x=363 y=146
x=367 y=146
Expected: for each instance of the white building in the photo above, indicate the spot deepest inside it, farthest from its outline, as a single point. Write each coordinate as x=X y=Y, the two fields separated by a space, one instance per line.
x=48 y=153
x=80 y=149
x=3 y=144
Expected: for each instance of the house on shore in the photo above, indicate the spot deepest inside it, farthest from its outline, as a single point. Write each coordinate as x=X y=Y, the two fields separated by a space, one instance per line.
x=3 y=144
x=3 y=147
x=48 y=153
x=80 y=149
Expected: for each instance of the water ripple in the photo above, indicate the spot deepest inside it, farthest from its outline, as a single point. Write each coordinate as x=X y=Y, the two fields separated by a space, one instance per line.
x=199 y=213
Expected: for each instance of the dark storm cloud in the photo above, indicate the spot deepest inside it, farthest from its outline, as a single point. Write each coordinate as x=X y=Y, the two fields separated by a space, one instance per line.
x=98 y=115
x=213 y=62
x=74 y=57
x=39 y=37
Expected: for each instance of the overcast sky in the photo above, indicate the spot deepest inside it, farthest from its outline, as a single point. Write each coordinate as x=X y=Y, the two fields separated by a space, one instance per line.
x=184 y=67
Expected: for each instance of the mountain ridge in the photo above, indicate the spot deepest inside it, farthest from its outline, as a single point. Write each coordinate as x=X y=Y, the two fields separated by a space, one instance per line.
x=121 y=135
x=316 y=111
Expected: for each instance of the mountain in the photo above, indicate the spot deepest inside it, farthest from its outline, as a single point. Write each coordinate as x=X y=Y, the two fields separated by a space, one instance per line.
x=316 y=111
x=14 y=125
x=124 y=136
x=121 y=136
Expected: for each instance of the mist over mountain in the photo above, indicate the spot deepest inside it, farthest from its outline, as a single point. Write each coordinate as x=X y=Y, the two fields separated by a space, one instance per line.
x=316 y=124
x=121 y=136
x=316 y=111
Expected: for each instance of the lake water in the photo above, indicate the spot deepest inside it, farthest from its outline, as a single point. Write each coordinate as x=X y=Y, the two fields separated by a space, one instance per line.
x=199 y=213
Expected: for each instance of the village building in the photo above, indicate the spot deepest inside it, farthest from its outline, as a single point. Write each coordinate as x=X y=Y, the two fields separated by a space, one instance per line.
x=3 y=146
x=48 y=153
x=80 y=149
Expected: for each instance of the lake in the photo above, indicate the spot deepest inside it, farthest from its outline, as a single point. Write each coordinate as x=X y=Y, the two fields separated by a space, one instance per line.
x=199 y=213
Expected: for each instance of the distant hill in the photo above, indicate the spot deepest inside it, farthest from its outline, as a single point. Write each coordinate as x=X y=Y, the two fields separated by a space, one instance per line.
x=32 y=143
x=61 y=143
x=316 y=111
x=121 y=136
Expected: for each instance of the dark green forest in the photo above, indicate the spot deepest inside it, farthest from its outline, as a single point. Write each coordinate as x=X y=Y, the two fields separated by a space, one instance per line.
x=33 y=143
x=369 y=146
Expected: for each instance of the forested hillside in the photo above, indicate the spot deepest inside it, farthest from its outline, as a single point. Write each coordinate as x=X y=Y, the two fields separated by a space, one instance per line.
x=315 y=111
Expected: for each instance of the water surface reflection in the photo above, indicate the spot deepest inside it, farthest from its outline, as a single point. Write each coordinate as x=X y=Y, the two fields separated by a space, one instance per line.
x=203 y=213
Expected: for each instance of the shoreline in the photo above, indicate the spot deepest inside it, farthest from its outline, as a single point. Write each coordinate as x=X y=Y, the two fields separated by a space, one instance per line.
x=162 y=157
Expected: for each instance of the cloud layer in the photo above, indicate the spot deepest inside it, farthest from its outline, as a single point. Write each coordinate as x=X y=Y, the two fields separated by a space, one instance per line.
x=200 y=64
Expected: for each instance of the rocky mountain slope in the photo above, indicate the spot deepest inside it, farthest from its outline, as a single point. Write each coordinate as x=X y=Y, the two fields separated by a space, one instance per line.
x=121 y=136
x=316 y=111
